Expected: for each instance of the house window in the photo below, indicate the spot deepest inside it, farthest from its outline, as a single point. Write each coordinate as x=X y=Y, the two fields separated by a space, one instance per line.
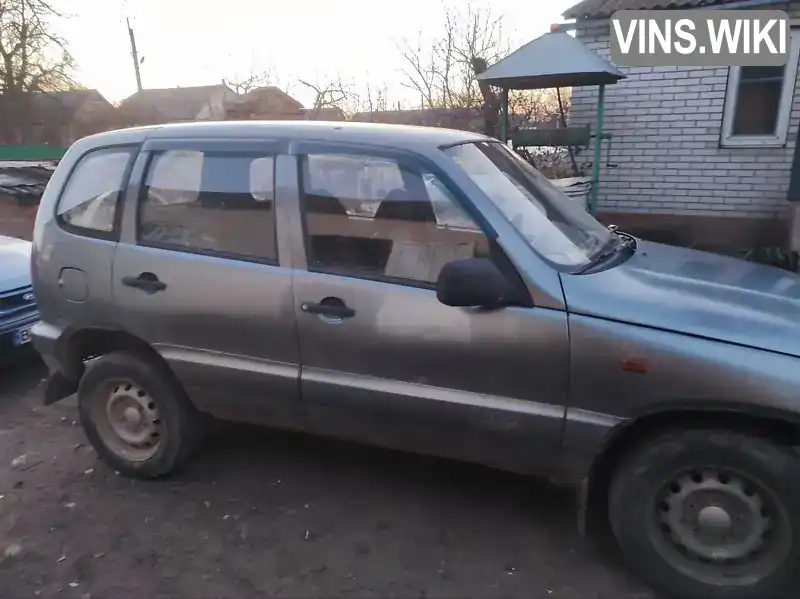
x=759 y=101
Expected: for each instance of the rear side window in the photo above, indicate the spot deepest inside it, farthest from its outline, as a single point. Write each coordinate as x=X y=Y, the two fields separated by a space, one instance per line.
x=90 y=199
x=219 y=203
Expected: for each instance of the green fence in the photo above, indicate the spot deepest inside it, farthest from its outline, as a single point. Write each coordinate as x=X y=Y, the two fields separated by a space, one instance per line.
x=33 y=153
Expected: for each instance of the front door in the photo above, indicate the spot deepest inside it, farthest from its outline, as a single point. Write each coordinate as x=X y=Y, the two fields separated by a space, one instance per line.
x=198 y=275
x=383 y=360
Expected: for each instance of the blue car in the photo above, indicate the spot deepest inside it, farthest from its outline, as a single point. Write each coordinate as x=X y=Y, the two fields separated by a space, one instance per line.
x=17 y=303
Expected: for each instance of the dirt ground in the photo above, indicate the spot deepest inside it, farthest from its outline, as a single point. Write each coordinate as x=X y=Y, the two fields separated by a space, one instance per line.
x=262 y=513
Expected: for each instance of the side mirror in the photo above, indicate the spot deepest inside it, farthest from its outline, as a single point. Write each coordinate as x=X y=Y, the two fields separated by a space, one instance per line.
x=475 y=283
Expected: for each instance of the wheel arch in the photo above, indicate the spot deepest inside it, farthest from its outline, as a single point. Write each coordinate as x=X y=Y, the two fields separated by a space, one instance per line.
x=777 y=425
x=78 y=345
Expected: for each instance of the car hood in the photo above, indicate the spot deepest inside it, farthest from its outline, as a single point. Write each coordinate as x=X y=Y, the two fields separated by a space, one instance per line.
x=15 y=263
x=695 y=293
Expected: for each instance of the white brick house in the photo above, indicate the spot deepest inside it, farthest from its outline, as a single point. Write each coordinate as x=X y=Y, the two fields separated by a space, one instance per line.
x=704 y=154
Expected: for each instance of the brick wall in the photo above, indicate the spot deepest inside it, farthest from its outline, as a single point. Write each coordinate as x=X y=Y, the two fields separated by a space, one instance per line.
x=16 y=220
x=666 y=125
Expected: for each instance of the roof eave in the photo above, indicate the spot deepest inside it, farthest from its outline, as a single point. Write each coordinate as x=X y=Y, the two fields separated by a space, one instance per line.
x=553 y=81
x=579 y=15
x=574 y=11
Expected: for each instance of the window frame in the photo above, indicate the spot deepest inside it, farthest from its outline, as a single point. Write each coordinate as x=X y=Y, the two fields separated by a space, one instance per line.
x=727 y=137
x=404 y=159
x=252 y=151
x=133 y=151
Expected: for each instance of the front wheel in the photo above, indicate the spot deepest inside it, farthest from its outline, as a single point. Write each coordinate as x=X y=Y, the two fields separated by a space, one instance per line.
x=136 y=415
x=710 y=514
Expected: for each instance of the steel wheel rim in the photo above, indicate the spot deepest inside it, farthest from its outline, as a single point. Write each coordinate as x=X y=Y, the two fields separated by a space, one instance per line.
x=720 y=527
x=127 y=420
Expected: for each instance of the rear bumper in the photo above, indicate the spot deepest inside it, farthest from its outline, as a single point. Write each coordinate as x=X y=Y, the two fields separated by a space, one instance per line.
x=45 y=338
x=60 y=382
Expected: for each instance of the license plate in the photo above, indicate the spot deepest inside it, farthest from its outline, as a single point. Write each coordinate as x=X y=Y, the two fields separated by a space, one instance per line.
x=22 y=336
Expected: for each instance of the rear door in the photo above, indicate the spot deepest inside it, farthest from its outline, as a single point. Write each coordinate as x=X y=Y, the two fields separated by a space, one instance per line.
x=198 y=274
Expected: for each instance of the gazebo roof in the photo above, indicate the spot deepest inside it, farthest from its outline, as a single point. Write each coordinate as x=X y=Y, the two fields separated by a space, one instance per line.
x=553 y=60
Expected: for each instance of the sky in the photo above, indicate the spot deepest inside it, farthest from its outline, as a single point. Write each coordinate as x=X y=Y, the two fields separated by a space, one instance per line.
x=187 y=42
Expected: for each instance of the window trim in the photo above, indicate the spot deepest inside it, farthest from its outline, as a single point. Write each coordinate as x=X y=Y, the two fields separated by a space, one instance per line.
x=252 y=152
x=133 y=150
x=401 y=158
x=728 y=139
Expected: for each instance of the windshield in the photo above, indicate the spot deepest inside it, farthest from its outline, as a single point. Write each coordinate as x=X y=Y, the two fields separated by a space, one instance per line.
x=557 y=228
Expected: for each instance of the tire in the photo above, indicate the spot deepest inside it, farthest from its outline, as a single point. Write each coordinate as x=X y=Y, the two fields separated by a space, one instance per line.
x=168 y=431
x=656 y=486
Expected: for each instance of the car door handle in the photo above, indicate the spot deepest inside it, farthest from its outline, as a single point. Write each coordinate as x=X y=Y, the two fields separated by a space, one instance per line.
x=328 y=309
x=146 y=281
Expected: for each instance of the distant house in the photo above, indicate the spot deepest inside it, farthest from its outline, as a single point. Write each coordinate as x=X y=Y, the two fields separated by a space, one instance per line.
x=326 y=113
x=264 y=103
x=701 y=154
x=60 y=118
x=464 y=119
x=176 y=105
x=271 y=103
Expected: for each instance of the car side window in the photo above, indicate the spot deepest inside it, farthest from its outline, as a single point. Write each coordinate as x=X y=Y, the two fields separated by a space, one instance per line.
x=213 y=203
x=90 y=199
x=373 y=217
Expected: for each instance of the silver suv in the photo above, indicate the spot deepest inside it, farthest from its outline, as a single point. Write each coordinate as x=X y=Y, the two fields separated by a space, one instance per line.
x=426 y=290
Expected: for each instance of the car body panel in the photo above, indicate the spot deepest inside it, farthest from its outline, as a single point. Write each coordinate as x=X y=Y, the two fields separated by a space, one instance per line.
x=621 y=372
x=15 y=263
x=408 y=372
x=224 y=326
x=17 y=302
x=411 y=373
x=695 y=293
x=89 y=258
x=230 y=341
x=540 y=388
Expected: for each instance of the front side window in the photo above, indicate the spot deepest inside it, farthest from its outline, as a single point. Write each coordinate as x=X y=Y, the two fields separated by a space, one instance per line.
x=758 y=102
x=211 y=203
x=374 y=217
x=91 y=197
x=556 y=228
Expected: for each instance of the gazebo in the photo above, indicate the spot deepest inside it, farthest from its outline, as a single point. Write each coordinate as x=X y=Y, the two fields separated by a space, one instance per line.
x=555 y=59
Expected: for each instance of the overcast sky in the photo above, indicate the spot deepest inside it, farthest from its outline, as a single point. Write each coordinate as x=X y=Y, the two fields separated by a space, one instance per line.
x=189 y=42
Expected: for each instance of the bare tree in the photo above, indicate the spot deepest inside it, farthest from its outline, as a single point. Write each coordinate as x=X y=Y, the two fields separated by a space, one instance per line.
x=33 y=58
x=538 y=106
x=442 y=71
x=492 y=101
x=372 y=98
x=334 y=93
x=242 y=84
x=546 y=108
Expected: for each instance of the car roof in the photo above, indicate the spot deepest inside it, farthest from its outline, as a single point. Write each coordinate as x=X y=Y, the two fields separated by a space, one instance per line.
x=406 y=136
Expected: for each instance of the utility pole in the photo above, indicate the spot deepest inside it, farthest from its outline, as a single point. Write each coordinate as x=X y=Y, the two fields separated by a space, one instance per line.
x=135 y=56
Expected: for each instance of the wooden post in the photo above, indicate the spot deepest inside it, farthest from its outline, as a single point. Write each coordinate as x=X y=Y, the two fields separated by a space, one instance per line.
x=135 y=56
x=504 y=124
x=597 y=141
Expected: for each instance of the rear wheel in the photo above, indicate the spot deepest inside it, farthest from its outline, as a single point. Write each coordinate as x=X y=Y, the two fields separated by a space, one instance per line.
x=710 y=514
x=136 y=415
